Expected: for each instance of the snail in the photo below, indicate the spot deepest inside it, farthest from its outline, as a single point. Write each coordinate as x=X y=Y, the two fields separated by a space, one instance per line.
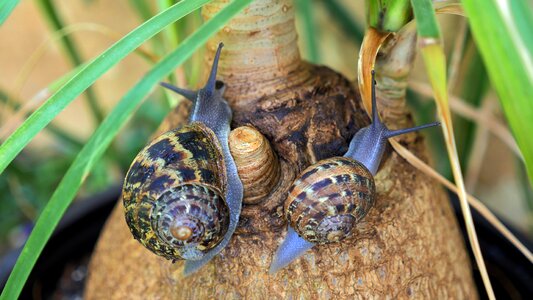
x=330 y=197
x=182 y=194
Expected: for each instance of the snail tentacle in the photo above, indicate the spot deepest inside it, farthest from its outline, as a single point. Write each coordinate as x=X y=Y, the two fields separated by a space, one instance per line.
x=191 y=95
x=368 y=144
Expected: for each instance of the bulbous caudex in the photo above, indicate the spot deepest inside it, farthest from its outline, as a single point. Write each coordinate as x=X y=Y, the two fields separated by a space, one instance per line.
x=408 y=246
x=172 y=193
x=335 y=220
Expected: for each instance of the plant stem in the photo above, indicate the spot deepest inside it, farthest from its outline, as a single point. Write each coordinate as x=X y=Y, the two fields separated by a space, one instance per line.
x=50 y=13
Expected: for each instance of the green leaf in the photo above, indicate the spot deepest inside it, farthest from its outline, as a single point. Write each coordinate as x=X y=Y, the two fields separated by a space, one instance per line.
x=170 y=41
x=502 y=31
x=473 y=89
x=87 y=76
x=6 y=8
x=388 y=15
x=57 y=131
x=100 y=141
x=426 y=21
x=305 y=10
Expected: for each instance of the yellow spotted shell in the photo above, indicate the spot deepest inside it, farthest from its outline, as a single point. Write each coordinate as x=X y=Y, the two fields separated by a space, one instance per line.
x=173 y=193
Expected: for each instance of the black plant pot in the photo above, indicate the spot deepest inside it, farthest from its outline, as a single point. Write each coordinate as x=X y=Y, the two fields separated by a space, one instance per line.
x=61 y=269
x=511 y=273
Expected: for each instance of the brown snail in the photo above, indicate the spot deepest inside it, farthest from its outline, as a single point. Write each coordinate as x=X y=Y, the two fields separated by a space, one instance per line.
x=182 y=194
x=330 y=197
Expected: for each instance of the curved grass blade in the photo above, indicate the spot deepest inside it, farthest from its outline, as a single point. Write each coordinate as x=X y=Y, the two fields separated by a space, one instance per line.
x=6 y=8
x=502 y=32
x=435 y=62
x=100 y=141
x=88 y=75
x=57 y=131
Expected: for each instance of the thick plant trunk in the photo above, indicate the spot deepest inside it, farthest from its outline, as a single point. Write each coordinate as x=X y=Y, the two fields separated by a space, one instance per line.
x=408 y=245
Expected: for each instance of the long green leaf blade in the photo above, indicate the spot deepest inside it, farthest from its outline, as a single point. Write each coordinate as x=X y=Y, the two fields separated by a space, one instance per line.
x=87 y=76
x=502 y=31
x=6 y=8
x=100 y=141
x=426 y=21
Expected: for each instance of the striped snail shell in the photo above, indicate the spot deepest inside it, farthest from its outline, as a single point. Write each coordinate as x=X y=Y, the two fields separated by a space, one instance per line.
x=182 y=194
x=330 y=197
x=174 y=194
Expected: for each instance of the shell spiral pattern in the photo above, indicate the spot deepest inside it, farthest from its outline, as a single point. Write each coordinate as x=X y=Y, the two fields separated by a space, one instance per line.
x=173 y=193
x=329 y=198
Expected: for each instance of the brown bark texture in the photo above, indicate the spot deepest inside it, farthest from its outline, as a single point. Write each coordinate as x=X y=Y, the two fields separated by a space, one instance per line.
x=408 y=246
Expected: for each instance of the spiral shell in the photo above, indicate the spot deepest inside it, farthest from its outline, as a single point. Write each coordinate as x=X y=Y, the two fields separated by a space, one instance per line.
x=257 y=164
x=173 y=193
x=329 y=198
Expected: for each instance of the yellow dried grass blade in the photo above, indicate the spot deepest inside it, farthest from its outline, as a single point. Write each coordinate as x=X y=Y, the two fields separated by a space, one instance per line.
x=365 y=64
x=435 y=61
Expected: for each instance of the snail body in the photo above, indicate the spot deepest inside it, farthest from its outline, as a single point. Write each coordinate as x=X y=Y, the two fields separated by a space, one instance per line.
x=329 y=198
x=182 y=195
